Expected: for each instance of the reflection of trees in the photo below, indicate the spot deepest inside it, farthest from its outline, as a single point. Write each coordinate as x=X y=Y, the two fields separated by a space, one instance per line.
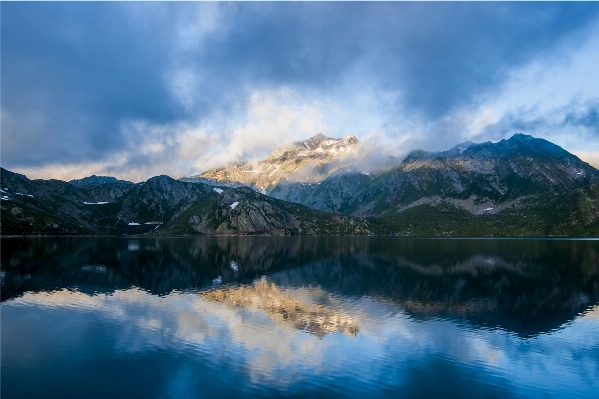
x=526 y=286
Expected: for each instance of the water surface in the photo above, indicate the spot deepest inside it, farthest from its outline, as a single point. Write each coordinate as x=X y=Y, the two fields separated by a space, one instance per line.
x=325 y=317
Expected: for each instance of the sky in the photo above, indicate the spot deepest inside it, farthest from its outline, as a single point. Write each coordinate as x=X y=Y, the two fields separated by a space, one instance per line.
x=135 y=90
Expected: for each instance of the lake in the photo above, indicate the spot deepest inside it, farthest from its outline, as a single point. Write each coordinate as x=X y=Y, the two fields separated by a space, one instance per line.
x=299 y=316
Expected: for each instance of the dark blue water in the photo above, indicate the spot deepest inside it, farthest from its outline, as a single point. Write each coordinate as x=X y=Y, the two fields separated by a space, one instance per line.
x=297 y=317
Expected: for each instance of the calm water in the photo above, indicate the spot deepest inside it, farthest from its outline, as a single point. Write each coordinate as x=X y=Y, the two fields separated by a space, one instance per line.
x=326 y=317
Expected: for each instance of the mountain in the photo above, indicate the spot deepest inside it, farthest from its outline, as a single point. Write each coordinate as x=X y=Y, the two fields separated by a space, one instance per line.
x=522 y=186
x=310 y=160
x=159 y=206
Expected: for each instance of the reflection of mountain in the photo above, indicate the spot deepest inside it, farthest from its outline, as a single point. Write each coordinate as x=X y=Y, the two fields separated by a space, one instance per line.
x=158 y=265
x=527 y=287
x=284 y=309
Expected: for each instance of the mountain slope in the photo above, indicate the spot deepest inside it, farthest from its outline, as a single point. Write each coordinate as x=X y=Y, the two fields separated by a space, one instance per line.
x=160 y=205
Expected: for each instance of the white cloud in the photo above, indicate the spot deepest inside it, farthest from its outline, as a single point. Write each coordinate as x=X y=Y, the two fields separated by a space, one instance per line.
x=266 y=120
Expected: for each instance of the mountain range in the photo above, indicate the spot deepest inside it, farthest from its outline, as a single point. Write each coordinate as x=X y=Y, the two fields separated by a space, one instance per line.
x=521 y=186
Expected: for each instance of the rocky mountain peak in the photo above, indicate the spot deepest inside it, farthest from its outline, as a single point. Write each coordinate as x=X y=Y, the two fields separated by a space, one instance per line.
x=318 y=146
x=307 y=160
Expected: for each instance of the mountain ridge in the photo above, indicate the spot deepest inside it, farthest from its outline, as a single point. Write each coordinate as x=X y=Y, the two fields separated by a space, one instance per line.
x=161 y=206
x=470 y=184
x=521 y=186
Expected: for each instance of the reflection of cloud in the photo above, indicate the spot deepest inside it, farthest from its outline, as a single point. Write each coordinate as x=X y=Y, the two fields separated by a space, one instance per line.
x=180 y=321
x=248 y=341
x=592 y=313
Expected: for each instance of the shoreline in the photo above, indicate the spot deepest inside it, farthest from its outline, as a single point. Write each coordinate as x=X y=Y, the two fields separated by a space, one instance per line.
x=591 y=238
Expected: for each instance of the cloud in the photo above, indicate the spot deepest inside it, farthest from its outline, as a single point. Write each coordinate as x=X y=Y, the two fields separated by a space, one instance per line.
x=85 y=83
x=555 y=99
x=574 y=126
x=266 y=119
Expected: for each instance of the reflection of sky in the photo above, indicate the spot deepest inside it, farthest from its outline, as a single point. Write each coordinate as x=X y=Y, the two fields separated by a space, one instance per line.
x=241 y=350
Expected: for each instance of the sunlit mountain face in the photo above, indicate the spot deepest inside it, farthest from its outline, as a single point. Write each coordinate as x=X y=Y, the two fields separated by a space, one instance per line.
x=308 y=162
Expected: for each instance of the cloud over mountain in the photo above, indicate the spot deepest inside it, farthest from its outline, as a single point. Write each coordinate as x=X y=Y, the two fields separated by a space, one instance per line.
x=134 y=87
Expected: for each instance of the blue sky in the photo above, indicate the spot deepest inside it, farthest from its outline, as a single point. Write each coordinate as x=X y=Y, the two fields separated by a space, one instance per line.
x=139 y=89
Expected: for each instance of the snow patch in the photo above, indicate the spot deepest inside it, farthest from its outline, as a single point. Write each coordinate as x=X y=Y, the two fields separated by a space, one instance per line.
x=133 y=224
x=217 y=281
x=234 y=204
x=3 y=191
x=5 y=198
x=159 y=223
x=487 y=209
x=95 y=203
x=218 y=190
x=27 y=195
x=578 y=173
